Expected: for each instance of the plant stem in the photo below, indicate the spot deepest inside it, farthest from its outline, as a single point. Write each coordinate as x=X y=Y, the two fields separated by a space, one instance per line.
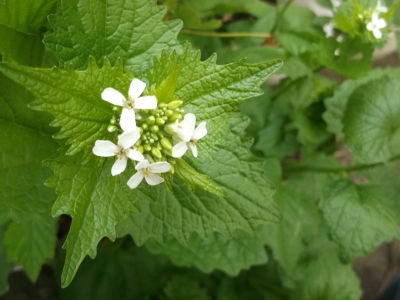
x=226 y=34
x=280 y=14
x=300 y=168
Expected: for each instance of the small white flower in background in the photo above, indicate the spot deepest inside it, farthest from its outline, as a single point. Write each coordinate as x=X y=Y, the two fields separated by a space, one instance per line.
x=381 y=8
x=127 y=120
x=376 y=25
x=122 y=150
x=147 y=171
x=328 y=29
x=188 y=135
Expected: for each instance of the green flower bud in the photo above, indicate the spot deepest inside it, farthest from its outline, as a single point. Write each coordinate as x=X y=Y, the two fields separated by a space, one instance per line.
x=160 y=134
x=169 y=113
x=172 y=169
x=154 y=112
x=145 y=127
x=160 y=121
x=147 y=148
x=151 y=140
x=113 y=121
x=167 y=152
x=112 y=128
x=162 y=105
x=165 y=118
x=156 y=152
x=154 y=128
x=151 y=120
x=154 y=136
x=165 y=143
x=115 y=108
x=140 y=130
x=140 y=149
x=138 y=142
x=169 y=128
x=174 y=117
x=175 y=104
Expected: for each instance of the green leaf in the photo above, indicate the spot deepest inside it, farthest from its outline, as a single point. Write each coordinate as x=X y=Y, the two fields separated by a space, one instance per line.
x=210 y=91
x=295 y=42
x=31 y=241
x=233 y=168
x=15 y=41
x=326 y=278
x=350 y=58
x=183 y=288
x=94 y=199
x=349 y=209
x=120 y=271
x=231 y=255
x=336 y=105
x=372 y=123
x=74 y=98
x=5 y=265
x=26 y=16
x=192 y=178
x=130 y=30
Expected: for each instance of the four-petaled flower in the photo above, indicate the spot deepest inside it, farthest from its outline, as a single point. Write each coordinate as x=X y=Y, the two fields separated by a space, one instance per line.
x=127 y=121
x=122 y=150
x=188 y=135
x=147 y=171
x=376 y=25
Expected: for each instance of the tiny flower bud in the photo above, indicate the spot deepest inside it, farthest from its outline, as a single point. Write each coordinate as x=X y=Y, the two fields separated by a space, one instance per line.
x=115 y=108
x=140 y=130
x=172 y=169
x=113 y=121
x=151 y=140
x=140 y=149
x=154 y=136
x=160 y=121
x=154 y=128
x=167 y=152
x=112 y=128
x=166 y=143
x=151 y=120
x=162 y=105
x=160 y=134
x=175 y=104
x=147 y=148
x=145 y=127
x=156 y=152
x=169 y=128
x=138 y=142
x=174 y=117
x=169 y=113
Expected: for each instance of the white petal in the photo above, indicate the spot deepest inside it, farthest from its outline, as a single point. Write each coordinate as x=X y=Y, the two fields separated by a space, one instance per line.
x=143 y=164
x=128 y=138
x=381 y=23
x=119 y=166
x=200 y=131
x=377 y=33
x=153 y=179
x=370 y=26
x=135 y=180
x=190 y=119
x=194 y=149
x=160 y=167
x=127 y=121
x=136 y=88
x=113 y=96
x=105 y=148
x=135 y=155
x=146 y=102
x=179 y=149
x=374 y=17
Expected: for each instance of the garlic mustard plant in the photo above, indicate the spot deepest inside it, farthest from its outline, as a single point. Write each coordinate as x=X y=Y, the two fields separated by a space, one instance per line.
x=187 y=135
x=123 y=150
x=148 y=171
x=134 y=101
x=375 y=25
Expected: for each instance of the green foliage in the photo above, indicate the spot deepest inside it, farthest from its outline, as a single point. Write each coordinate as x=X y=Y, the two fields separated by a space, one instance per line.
x=5 y=266
x=132 y=31
x=372 y=123
x=182 y=288
x=231 y=255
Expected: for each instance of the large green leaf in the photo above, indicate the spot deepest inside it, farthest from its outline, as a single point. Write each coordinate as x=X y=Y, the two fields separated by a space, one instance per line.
x=27 y=16
x=372 y=123
x=130 y=30
x=216 y=252
x=336 y=105
x=31 y=241
x=73 y=97
x=247 y=205
x=25 y=142
x=210 y=91
x=349 y=208
x=184 y=288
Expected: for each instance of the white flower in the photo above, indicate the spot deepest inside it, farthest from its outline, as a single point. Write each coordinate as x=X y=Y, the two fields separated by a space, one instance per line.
x=147 y=171
x=376 y=25
x=188 y=135
x=381 y=8
x=328 y=29
x=127 y=121
x=122 y=150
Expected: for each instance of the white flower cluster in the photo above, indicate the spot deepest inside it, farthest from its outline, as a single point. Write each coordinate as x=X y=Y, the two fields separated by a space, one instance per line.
x=376 y=23
x=157 y=153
